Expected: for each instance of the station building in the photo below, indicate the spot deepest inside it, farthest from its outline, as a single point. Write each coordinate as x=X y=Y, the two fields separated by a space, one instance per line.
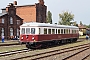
x=14 y=15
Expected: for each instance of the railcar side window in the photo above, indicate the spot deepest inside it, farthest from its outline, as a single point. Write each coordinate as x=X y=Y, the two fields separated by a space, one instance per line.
x=27 y=30
x=32 y=30
x=39 y=30
x=58 y=31
x=66 y=31
x=61 y=31
x=45 y=31
x=49 y=31
x=69 y=31
x=23 y=31
x=73 y=31
x=53 y=31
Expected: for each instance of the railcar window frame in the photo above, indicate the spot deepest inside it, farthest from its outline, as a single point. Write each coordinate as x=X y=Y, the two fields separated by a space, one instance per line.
x=45 y=30
x=27 y=30
x=66 y=31
x=49 y=31
x=53 y=31
x=69 y=31
x=59 y=31
x=39 y=31
x=32 y=30
x=56 y=31
x=22 y=30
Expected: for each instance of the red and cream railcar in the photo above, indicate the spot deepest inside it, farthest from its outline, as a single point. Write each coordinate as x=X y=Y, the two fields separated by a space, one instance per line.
x=36 y=34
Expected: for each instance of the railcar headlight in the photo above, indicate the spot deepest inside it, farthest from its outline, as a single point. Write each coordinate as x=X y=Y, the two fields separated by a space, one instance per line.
x=22 y=37
x=26 y=36
x=33 y=38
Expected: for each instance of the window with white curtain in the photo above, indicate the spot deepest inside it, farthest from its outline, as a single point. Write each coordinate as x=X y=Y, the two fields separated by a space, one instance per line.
x=2 y=33
x=11 y=31
x=18 y=22
x=17 y=32
x=11 y=20
x=2 y=20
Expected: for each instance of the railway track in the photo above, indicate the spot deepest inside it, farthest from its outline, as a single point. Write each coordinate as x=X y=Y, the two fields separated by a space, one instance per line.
x=8 y=44
x=78 y=55
x=53 y=52
x=14 y=52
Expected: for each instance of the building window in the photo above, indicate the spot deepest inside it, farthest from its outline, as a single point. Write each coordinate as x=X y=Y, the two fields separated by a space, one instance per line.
x=11 y=31
x=11 y=20
x=2 y=20
x=17 y=32
x=2 y=33
x=18 y=22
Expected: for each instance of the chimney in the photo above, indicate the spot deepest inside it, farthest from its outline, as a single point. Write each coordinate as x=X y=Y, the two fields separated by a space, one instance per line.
x=41 y=2
x=15 y=2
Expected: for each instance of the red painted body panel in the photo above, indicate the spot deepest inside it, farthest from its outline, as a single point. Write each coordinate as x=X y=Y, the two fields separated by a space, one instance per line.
x=47 y=37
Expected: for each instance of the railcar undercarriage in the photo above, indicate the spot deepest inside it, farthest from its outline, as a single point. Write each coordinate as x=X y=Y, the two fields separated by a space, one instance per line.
x=36 y=45
x=33 y=45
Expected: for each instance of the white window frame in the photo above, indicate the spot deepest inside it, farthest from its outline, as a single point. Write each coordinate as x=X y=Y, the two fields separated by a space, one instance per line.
x=18 y=22
x=2 y=33
x=3 y=20
x=11 y=20
x=17 y=32
x=11 y=31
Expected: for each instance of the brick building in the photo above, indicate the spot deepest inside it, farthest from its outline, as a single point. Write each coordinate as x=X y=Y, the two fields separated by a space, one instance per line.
x=32 y=13
x=13 y=16
x=9 y=22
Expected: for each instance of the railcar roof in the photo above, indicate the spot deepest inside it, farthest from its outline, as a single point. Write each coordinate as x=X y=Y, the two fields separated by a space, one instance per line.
x=46 y=25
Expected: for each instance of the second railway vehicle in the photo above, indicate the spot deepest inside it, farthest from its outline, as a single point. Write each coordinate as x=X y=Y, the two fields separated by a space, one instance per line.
x=36 y=35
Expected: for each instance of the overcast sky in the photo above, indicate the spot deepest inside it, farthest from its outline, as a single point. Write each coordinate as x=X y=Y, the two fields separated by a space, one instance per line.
x=80 y=8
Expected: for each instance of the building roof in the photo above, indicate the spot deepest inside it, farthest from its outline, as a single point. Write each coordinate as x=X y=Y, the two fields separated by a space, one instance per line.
x=82 y=27
x=1 y=14
x=23 y=5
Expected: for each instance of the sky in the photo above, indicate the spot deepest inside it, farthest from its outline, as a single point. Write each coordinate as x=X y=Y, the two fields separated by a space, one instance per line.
x=80 y=8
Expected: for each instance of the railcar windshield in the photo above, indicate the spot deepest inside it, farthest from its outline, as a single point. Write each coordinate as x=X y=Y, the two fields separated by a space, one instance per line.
x=32 y=30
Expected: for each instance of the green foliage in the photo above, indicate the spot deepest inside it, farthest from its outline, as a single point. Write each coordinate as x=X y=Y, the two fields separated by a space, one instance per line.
x=88 y=26
x=49 y=17
x=81 y=23
x=66 y=18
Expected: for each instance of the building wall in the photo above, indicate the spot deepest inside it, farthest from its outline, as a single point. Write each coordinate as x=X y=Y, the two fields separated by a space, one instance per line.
x=28 y=13
x=32 y=13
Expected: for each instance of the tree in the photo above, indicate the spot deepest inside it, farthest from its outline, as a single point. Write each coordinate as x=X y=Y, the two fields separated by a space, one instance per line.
x=75 y=24
x=89 y=26
x=81 y=23
x=49 y=17
x=66 y=18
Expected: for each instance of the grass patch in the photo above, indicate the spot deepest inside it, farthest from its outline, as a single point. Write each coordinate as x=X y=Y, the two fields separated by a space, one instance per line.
x=82 y=36
x=11 y=48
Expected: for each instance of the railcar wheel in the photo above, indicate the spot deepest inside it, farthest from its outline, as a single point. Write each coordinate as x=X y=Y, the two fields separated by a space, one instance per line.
x=33 y=46
x=27 y=45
